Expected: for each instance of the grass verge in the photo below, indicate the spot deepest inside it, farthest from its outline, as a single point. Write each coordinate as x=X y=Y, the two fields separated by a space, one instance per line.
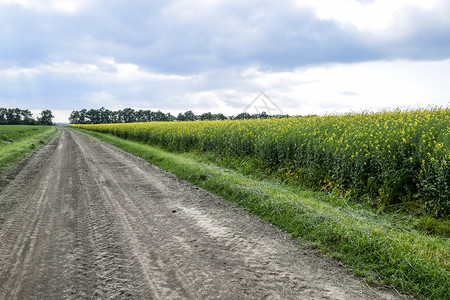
x=19 y=141
x=16 y=144
x=381 y=249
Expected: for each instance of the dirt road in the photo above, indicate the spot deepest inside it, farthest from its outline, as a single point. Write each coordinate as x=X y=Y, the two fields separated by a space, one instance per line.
x=92 y=222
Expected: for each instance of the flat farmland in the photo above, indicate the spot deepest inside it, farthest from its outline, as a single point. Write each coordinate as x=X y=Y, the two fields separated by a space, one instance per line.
x=95 y=222
x=369 y=189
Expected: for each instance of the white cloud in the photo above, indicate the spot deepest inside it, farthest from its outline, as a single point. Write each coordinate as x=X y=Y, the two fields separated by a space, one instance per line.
x=366 y=15
x=307 y=90
x=66 y=67
x=48 y=6
x=106 y=67
x=359 y=86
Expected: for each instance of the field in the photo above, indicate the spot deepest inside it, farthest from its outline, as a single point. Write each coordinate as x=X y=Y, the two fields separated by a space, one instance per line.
x=16 y=141
x=395 y=161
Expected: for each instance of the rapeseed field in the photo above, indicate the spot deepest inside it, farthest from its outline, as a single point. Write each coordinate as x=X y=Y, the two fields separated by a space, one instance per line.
x=394 y=158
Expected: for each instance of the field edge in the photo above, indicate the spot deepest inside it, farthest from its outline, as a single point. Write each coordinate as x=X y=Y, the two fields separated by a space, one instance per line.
x=11 y=156
x=17 y=158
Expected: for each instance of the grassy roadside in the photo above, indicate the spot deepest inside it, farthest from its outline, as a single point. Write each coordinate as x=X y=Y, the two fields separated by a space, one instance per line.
x=16 y=144
x=18 y=141
x=382 y=249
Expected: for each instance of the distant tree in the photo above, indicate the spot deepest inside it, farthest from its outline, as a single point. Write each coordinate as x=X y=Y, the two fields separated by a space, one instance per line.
x=3 y=116
x=181 y=117
x=140 y=116
x=263 y=115
x=27 y=117
x=114 y=117
x=46 y=117
x=190 y=116
x=93 y=116
x=127 y=115
x=9 y=116
x=148 y=116
x=110 y=116
x=83 y=118
x=206 y=116
x=242 y=116
x=74 y=117
x=170 y=118
x=25 y=114
x=220 y=116
x=104 y=116
x=159 y=116
x=17 y=116
x=13 y=116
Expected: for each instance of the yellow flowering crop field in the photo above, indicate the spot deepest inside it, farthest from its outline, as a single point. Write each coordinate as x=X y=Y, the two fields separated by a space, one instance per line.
x=394 y=158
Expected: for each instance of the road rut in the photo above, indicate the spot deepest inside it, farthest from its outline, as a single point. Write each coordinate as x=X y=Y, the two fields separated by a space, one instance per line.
x=89 y=221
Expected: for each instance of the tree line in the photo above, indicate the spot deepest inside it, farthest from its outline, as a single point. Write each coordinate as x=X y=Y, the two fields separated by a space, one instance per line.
x=129 y=115
x=17 y=116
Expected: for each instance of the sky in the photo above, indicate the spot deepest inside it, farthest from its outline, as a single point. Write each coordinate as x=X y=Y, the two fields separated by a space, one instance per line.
x=307 y=56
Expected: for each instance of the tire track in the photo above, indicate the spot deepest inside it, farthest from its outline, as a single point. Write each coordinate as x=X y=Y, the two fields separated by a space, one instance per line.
x=164 y=281
x=30 y=244
x=102 y=272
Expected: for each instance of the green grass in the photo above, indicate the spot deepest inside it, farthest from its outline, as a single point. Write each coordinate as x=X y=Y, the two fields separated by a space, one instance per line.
x=252 y=168
x=17 y=141
x=384 y=249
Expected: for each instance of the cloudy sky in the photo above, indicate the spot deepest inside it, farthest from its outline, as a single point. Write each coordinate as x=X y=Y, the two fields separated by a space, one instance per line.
x=308 y=56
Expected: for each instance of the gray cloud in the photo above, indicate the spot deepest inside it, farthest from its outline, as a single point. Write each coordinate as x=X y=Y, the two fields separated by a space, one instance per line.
x=211 y=43
x=186 y=37
x=424 y=35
